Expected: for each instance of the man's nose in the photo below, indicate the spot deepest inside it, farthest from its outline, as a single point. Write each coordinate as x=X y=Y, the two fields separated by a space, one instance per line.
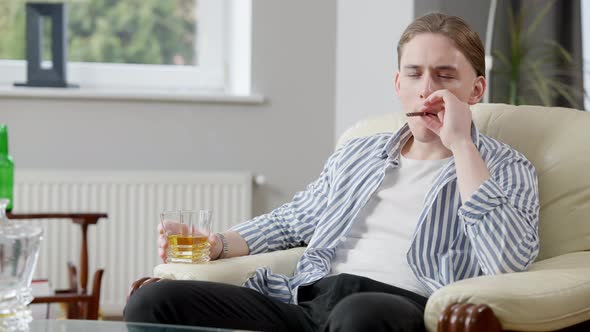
x=427 y=88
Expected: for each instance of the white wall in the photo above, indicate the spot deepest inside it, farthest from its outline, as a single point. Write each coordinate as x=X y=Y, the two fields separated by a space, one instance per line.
x=287 y=139
x=321 y=64
x=586 y=50
x=366 y=58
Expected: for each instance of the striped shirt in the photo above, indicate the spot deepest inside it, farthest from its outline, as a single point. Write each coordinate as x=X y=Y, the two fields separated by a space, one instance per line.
x=494 y=231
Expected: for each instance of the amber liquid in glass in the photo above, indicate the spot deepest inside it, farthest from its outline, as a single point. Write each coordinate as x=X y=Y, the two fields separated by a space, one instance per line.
x=187 y=249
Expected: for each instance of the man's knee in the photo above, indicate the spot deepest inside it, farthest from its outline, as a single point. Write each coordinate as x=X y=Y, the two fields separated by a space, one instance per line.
x=375 y=312
x=155 y=302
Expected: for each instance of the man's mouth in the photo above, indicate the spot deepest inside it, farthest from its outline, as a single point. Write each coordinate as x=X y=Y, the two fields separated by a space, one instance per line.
x=419 y=113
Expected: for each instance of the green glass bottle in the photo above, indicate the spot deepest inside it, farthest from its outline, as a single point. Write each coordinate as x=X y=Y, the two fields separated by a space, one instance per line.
x=6 y=168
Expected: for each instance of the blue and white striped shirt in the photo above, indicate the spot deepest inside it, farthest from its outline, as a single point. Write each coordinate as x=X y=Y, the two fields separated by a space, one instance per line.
x=494 y=231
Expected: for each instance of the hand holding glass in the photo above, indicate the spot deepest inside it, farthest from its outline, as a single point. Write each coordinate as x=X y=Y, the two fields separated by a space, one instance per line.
x=187 y=233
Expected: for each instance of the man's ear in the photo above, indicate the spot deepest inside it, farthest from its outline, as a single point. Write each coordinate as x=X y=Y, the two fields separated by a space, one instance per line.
x=396 y=83
x=479 y=87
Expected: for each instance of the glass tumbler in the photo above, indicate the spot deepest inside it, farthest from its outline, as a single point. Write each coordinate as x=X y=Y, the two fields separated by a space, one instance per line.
x=19 y=250
x=188 y=235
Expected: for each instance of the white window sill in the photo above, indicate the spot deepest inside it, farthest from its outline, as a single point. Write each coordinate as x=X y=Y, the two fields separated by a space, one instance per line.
x=143 y=95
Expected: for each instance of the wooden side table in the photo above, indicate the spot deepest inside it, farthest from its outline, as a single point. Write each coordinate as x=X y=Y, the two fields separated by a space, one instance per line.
x=81 y=304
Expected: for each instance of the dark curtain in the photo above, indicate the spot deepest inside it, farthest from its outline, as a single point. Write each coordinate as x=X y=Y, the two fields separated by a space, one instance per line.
x=562 y=24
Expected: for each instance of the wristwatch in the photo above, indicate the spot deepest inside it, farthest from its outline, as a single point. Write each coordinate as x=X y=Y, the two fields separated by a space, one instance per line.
x=223 y=253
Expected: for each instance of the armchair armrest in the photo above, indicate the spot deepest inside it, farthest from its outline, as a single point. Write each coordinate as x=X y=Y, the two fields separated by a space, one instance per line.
x=552 y=294
x=234 y=270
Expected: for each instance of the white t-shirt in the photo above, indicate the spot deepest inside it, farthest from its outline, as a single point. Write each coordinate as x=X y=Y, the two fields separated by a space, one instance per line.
x=377 y=242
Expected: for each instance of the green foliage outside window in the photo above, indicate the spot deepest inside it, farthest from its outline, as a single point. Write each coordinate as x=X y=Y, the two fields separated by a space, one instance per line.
x=116 y=31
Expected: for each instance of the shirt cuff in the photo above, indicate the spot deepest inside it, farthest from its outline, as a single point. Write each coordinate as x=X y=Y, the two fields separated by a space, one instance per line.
x=487 y=197
x=250 y=232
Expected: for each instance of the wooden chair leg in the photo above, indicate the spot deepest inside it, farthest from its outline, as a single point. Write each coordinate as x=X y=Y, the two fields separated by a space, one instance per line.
x=94 y=304
x=73 y=310
x=73 y=276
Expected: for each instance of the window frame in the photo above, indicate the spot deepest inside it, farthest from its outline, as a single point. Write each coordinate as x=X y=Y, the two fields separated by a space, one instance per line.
x=221 y=35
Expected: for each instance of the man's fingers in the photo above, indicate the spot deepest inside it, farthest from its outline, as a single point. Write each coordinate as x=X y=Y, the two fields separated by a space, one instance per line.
x=162 y=254
x=162 y=241
x=433 y=123
x=212 y=239
x=435 y=108
x=173 y=226
x=434 y=100
x=435 y=97
x=441 y=116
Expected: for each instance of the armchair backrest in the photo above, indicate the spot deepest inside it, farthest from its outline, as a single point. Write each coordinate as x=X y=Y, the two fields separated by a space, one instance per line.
x=556 y=140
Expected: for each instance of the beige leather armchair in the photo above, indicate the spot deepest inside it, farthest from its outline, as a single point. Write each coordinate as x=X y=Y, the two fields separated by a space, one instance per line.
x=553 y=294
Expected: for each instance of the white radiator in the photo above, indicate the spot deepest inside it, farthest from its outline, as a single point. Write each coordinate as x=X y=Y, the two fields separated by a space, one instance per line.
x=125 y=243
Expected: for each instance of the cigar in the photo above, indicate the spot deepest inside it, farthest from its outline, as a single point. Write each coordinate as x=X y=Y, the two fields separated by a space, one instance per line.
x=419 y=113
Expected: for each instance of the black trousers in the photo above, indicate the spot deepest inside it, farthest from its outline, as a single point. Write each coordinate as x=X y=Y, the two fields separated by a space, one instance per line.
x=337 y=303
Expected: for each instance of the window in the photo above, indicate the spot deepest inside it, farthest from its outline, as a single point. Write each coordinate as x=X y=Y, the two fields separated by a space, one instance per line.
x=189 y=45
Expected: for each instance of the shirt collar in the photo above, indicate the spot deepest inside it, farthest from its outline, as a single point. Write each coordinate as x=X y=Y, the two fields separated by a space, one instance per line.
x=392 y=148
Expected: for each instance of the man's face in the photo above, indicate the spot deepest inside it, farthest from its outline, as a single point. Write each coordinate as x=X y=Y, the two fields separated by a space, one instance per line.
x=431 y=62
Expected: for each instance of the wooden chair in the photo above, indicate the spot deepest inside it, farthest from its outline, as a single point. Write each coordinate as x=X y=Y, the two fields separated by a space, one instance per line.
x=80 y=303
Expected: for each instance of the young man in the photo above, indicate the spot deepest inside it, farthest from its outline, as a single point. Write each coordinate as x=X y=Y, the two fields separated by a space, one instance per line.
x=391 y=218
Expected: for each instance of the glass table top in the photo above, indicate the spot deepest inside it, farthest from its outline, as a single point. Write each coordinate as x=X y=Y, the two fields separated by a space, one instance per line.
x=70 y=325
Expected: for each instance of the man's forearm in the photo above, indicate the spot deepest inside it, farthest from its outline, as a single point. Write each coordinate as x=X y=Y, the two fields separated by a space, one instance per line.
x=236 y=246
x=471 y=169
